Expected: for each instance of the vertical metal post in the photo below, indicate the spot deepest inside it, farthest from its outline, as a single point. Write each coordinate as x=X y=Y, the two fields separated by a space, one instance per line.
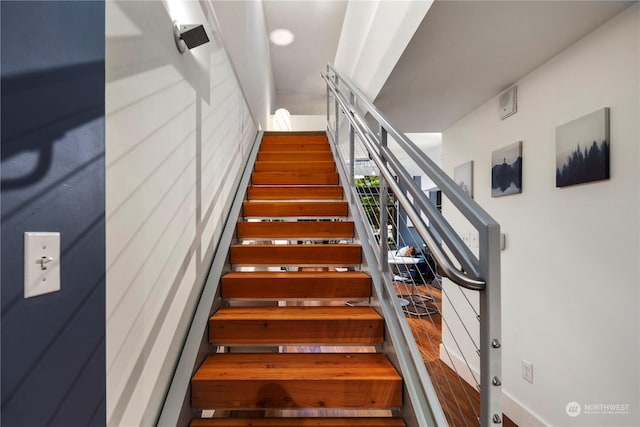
x=490 y=329
x=336 y=80
x=328 y=102
x=352 y=151
x=384 y=215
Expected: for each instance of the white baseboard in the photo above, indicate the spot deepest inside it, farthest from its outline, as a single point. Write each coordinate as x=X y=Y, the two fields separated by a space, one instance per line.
x=511 y=407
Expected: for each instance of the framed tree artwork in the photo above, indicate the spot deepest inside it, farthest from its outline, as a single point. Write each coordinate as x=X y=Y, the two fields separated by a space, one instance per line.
x=582 y=149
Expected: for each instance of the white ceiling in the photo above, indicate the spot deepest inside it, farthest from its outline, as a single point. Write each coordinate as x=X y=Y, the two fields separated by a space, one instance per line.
x=466 y=52
x=316 y=25
x=463 y=53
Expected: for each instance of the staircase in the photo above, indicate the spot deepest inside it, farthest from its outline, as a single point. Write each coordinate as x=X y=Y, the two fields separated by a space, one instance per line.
x=295 y=193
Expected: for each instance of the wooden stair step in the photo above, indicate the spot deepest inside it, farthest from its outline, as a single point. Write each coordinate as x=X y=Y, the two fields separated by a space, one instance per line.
x=300 y=255
x=321 y=178
x=309 y=139
x=295 y=192
x=295 y=209
x=317 y=325
x=304 y=166
x=301 y=230
x=293 y=285
x=295 y=156
x=296 y=146
x=296 y=380
x=299 y=422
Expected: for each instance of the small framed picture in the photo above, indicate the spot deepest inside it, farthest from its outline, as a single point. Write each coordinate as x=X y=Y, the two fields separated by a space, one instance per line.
x=582 y=149
x=506 y=170
x=463 y=176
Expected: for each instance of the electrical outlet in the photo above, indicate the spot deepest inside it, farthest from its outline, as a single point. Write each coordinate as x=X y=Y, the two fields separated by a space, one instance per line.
x=527 y=371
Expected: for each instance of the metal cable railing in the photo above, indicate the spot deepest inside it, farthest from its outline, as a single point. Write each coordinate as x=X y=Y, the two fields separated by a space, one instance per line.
x=397 y=215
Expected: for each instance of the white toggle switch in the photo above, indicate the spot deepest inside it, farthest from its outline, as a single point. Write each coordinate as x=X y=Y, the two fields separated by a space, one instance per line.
x=41 y=263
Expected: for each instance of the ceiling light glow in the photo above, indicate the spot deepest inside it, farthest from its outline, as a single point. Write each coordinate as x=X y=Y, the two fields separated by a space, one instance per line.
x=281 y=37
x=282 y=120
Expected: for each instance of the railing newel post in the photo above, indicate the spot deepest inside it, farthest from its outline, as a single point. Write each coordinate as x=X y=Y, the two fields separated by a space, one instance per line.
x=490 y=328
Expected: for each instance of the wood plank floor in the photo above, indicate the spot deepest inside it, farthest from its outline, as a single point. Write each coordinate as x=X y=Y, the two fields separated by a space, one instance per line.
x=460 y=401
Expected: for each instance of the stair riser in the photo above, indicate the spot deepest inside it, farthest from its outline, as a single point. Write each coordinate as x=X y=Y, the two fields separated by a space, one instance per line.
x=342 y=255
x=302 y=393
x=295 y=331
x=293 y=209
x=301 y=178
x=295 y=193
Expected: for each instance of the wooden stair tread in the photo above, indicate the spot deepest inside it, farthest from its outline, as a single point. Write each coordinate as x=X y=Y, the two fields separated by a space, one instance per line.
x=289 y=229
x=293 y=285
x=285 y=165
x=297 y=275
x=251 y=367
x=331 y=178
x=287 y=208
x=296 y=146
x=294 y=155
x=296 y=380
x=270 y=325
x=276 y=139
x=299 y=422
x=294 y=192
x=296 y=312
x=258 y=254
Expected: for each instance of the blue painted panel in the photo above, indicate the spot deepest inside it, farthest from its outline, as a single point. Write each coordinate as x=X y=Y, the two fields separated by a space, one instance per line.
x=52 y=177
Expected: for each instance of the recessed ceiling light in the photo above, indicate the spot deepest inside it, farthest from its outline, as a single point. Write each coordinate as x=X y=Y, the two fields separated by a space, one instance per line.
x=281 y=37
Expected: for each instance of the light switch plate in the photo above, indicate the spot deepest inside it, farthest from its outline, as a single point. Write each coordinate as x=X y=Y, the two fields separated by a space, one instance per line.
x=473 y=239
x=41 y=263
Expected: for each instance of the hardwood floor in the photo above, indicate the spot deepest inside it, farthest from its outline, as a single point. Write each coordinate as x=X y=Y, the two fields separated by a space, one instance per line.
x=460 y=401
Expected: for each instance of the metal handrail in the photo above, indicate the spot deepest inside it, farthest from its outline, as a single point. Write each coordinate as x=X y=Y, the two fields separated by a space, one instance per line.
x=480 y=273
x=438 y=254
x=461 y=251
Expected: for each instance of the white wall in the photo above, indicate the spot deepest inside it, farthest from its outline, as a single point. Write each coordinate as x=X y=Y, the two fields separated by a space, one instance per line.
x=431 y=144
x=244 y=31
x=374 y=35
x=178 y=131
x=305 y=122
x=570 y=276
